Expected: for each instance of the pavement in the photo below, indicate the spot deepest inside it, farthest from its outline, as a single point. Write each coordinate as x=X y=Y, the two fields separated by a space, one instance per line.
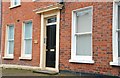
x=21 y=72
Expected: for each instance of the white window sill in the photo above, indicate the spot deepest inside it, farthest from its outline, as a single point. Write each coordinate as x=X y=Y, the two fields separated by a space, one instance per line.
x=82 y=61
x=114 y=63
x=6 y=57
x=34 y=0
x=25 y=58
x=14 y=6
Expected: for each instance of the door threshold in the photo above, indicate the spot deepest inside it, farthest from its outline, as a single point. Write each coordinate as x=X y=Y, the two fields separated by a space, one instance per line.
x=46 y=72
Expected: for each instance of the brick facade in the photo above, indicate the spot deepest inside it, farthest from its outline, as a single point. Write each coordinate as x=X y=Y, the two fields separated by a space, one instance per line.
x=102 y=35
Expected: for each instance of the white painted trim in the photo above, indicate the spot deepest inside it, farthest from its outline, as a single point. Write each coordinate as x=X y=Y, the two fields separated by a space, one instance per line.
x=48 y=10
x=116 y=0
x=115 y=35
x=6 y=35
x=51 y=23
x=25 y=58
x=57 y=41
x=42 y=49
x=33 y=0
x=42 y=43
x=85 y=33
x=56 y=6
x=82 y=61
x=114 y=64
x=14 y=6
x=50 y=15
x=20 y=67
x=8 y=57
x=74 y=57
x=84 y=8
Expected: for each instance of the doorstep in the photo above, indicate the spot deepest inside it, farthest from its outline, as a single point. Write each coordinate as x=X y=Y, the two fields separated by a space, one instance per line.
x=45 y=72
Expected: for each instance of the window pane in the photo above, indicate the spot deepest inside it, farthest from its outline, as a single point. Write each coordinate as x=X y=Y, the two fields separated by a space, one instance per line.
x=84 y=21
x=118 y=17
x=10 y=32
x=51 y=20
x=28 y=30
x=11 y=47
x=28 y=46
x=83 y=43
x=16 y=2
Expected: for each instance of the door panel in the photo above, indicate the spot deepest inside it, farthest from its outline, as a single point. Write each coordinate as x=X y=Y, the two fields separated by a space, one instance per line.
x=50 y=45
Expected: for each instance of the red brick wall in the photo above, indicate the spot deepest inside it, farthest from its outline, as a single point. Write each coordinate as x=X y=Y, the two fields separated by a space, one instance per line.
x=102 y=35
x=22 y=13
x=102 y=39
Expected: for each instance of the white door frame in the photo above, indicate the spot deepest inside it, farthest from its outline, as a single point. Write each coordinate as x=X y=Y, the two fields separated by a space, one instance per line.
x=43 y=46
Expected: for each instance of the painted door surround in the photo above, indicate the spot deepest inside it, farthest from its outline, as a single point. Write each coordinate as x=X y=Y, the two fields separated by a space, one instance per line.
x=44 y=16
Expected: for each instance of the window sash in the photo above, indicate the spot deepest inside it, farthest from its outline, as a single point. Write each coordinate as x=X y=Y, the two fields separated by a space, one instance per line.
x=81 y=33
x=10 y=40
x=74 y=34
x=24 y=54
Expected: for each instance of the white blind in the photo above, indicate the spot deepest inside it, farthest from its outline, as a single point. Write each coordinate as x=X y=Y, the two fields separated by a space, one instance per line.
x=83 y=44
x=83 y=25
x=84 y=22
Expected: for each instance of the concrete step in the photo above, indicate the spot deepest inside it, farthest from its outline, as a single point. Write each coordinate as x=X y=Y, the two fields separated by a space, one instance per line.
x=45 y=72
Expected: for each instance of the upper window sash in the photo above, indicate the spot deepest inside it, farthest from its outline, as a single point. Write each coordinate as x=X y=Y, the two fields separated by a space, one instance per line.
x=77 y=17
x=27 y=26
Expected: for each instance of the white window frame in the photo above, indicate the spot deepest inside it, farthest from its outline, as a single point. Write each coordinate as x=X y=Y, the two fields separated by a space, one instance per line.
x=34 y=0
x=116 y=59
x=12 y=3
x=23 y=55
x=7 y=55
x=74 y=57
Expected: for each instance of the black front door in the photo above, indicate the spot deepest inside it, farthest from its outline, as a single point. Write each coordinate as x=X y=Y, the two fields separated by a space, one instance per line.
x=50 y=46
